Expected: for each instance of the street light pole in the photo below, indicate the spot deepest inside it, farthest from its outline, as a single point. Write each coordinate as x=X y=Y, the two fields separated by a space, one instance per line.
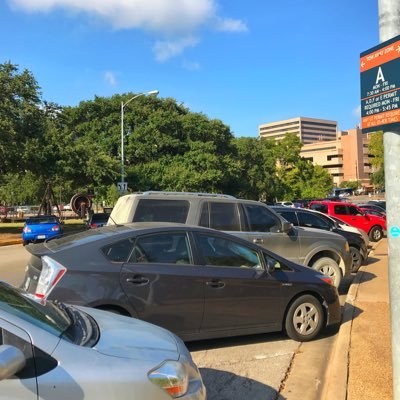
x=123 y=105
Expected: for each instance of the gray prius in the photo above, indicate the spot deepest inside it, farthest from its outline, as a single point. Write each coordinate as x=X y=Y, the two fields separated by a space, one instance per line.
x=197 y=282
x=56 y=351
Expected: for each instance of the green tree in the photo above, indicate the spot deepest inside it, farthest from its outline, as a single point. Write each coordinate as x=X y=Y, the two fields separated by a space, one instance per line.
x=21 y=118
x=375 y=148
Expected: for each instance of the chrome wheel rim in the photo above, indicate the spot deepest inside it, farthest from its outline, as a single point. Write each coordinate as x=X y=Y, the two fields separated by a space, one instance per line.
x=306 y=319
x=377 y=234
x=356 y=257
x=328 y=270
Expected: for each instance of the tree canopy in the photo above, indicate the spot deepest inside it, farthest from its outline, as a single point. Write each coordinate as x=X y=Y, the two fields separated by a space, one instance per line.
x=166 y=147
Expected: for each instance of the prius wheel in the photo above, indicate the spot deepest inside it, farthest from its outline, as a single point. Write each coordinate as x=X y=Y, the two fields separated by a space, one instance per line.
x=375 y=234
x=356 y=258
x=328 y=267
x=304 y=319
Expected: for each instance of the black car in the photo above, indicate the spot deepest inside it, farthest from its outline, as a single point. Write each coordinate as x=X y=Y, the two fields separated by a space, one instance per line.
x=197 y=282
x=380 y=203
x=96 y=220
x=313 y=219
x=374 y=207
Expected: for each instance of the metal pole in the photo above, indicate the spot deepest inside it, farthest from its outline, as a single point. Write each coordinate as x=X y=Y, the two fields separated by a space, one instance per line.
x=122 y=142
x=389 y=27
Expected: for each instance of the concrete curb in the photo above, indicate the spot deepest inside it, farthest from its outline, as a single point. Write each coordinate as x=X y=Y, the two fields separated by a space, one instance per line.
x=11 y=242
x=337 y=374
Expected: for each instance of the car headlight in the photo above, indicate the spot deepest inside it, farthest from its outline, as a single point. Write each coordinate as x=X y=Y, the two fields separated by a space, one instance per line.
x=172 y=377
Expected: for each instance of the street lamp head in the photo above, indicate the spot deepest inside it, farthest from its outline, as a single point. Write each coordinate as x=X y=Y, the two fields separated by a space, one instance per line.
x=155 y=92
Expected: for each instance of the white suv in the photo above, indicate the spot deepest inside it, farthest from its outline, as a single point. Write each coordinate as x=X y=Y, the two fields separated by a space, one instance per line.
x=326 y=252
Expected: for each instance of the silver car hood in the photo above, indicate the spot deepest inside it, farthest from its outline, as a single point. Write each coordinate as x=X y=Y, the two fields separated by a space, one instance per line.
x=128 y=337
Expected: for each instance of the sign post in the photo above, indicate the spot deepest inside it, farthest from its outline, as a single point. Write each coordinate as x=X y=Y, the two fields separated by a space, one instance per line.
x=380 y=87
x=122 y=187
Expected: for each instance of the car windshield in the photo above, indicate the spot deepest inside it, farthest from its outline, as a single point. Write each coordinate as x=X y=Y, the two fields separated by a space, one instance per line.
x=46 y=316
x=41 y=220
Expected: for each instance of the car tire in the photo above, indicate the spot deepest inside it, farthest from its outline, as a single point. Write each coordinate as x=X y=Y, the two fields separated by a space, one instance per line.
x=329 y=267
x=356 y=258
x=375 y=234
x=304 y=319
x=25 y=242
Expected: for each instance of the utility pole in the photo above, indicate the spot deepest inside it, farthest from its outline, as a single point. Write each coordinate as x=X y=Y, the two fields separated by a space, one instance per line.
x=389 y=27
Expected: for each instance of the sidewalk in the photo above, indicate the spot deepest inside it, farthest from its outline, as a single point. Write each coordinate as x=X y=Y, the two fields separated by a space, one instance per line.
x=361 y=362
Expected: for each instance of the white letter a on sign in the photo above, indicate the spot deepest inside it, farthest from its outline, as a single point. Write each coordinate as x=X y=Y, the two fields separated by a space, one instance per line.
x=380 y=76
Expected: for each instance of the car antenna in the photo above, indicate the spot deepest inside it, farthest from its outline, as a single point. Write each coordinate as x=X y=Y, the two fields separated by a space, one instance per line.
x=114 y=221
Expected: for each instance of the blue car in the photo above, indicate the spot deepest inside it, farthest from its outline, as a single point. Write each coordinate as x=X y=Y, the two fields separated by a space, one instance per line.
x=40 y=228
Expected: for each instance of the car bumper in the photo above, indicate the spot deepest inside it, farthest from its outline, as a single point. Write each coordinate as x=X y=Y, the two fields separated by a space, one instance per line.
x=33 y=237
x=334 y=313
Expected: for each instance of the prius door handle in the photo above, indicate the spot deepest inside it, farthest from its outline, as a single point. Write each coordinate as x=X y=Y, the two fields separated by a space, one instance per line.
x=258 y=240
x=138 y=280
x=216 y=284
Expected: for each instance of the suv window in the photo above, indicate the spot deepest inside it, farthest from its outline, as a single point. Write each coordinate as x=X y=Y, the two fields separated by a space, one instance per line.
x=261 y=219
x=156 y=210
x=223 y=252
x=354 y=211
x=340 y=210
x=220 y=216
x=166 y=248
x=319 y=207
x=312 y=221
x=289 y=216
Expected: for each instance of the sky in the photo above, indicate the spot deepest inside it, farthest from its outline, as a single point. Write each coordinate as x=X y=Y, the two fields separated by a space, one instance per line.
x=245 y=62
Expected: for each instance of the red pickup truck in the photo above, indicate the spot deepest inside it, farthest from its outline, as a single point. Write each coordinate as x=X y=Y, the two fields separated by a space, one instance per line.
x=350 y=213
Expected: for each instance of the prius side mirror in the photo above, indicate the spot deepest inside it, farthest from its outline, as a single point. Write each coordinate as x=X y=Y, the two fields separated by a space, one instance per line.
x=286 y=226
x=12 y=360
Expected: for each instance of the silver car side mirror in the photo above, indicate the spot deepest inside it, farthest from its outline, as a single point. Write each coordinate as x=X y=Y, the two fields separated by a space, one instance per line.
x=12 y=360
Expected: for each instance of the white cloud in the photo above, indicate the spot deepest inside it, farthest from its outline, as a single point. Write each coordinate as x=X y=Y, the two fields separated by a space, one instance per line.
x=110 y=78
x=231 y=25
x=172 y=21
x=166 y=49
x=191 y=66
x=152 y=15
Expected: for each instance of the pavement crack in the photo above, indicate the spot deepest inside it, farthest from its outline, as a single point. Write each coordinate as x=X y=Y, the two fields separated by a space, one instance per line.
x=282 y=385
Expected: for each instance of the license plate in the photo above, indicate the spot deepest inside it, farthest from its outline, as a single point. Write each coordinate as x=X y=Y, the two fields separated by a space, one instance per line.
x=41 y=237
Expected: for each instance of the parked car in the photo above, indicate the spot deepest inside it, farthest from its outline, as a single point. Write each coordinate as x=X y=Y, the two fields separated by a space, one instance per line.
x=285 y=203
x=317 y=220
x=3 y=212
x=97 y=220
x=349 y=228
x=371 y=211
x=41 y=228
x=24 y=209
x=250 y=220
x=380 y=203
x=56 y=351
x=197 y=282
x=375 y=207
x=350 y=213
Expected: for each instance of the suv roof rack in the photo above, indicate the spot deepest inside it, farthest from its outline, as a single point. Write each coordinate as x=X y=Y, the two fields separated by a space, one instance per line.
x=149 y=192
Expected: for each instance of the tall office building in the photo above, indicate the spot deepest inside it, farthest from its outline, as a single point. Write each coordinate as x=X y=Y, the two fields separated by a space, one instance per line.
x=309 y=130
x=346 y=158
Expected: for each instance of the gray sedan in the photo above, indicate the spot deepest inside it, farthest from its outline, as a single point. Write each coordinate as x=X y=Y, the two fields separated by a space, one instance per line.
x=53 y=351
x=197 y=282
